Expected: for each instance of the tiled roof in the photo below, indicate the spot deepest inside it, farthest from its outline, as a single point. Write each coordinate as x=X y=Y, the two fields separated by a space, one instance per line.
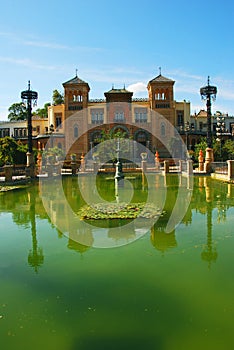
x=75 y=80
x=161 y=79
x=202 y=114
x=114 y=91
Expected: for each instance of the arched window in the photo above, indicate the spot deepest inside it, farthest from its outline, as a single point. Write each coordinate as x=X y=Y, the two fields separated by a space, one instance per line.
x=75 y=131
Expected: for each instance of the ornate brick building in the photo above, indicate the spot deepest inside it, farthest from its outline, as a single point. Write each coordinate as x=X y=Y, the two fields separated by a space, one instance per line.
x=81 y=119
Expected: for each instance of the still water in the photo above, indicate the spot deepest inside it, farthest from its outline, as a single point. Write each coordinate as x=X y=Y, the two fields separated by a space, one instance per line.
x=155 y=290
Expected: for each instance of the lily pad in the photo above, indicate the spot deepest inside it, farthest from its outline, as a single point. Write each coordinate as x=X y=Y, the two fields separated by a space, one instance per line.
x=100 y=211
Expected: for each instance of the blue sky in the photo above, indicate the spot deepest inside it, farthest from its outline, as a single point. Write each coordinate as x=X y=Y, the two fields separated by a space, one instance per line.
x=121 y=42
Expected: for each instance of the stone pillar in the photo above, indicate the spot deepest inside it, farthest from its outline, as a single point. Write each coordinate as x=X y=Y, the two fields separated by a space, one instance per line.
x=166 y=166
x=8 y=169
x=209 y=159
x=30 y=167
x=230 y=169
x=180 y=165
x=144 y=166
x=95 y=167
x=189 y=167
x=73 y=167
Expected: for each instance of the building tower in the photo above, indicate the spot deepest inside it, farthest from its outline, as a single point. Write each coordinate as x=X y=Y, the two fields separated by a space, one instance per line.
x=76 y=99
x=161 y=101
x=76 y=95
x=161 y=97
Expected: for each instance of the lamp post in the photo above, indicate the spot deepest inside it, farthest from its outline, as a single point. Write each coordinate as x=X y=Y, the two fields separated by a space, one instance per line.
x=187 y=130
x=30 y=98
x=208 y=93
x=220 y=128
x=118 y=168
x=51 y=135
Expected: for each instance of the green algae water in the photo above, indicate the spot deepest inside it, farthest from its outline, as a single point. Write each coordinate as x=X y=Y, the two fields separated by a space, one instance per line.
x=158 y=290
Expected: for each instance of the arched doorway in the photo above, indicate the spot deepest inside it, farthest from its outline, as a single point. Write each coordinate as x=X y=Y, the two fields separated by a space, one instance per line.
x=122 y=129
x=142 y=137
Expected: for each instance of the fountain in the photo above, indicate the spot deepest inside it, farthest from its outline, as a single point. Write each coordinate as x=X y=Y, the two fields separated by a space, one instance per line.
x=119 y=176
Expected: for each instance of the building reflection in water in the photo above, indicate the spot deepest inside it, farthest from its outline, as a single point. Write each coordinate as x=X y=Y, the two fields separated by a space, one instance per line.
x=162 y=241
x=210 y=198
x=78 y=247
x=207 y=197
x=204 y=201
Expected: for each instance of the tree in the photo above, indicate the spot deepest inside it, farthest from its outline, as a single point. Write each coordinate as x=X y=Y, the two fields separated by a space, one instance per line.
x=42 y=112
x=8 y=148
x=52 y=154
x=228 y=149
x=106 y=151
x=18 y=111
x=58 y=98
x=12 y=152
x=202 y=145
x=222 y=150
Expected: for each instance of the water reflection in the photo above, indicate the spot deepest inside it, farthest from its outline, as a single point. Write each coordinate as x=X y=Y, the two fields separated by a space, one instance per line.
x=211 y=199
x=73 y=245
x=35 y=256
x=209 y=253
x=162 y=241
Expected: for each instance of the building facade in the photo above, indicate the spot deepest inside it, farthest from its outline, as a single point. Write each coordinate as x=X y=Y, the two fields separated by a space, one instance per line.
x=82 y=120
x=76 y=125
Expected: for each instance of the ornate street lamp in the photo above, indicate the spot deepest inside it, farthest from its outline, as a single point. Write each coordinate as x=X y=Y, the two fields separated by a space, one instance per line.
x=51 y=136
x=29 y=97
x=187 y=131
x=220 y=129
x=207 y=93
x=119 y=167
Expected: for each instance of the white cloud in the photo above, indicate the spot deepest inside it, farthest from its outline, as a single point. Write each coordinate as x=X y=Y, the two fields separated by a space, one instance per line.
x=137 y=87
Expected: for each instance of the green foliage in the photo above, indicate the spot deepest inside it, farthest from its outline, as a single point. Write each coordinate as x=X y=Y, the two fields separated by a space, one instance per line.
x=12 y=152
x=106 y=150
x=42 y=112
x=228 y=149
x=222 y=150
x=8 y=149
x=17 y=111
x=52 y=154
x=202 y=145
x=58 y=98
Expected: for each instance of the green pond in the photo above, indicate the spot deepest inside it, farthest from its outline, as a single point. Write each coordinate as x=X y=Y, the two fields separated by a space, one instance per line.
x=71 y=284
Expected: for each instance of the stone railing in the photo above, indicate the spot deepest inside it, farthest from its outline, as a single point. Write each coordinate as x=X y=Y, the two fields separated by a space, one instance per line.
x=220 y=167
